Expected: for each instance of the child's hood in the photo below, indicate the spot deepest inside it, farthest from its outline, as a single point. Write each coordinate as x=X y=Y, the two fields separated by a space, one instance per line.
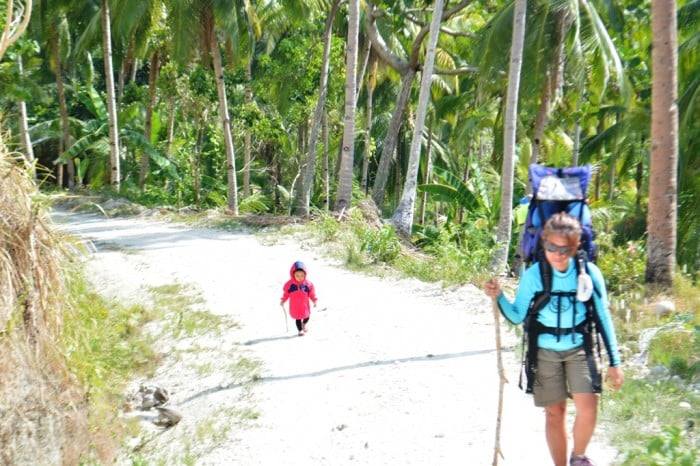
x=298 y=265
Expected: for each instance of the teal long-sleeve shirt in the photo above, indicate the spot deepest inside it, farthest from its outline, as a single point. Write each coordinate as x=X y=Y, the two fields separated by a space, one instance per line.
x=562 y=312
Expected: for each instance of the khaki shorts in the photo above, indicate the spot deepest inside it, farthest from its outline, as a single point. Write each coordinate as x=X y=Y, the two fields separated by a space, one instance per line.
x=560 y=373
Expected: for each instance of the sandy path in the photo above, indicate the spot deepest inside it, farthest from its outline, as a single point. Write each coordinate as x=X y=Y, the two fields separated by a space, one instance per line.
x=392 y=372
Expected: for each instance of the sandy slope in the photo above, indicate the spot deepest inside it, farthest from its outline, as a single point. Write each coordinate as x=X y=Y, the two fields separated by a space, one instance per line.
x=392 y=372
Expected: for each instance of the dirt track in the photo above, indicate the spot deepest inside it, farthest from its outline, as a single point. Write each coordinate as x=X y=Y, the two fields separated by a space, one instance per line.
x=392 y=372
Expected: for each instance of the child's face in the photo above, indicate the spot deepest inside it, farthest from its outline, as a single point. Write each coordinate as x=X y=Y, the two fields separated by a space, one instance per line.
x=299 y=275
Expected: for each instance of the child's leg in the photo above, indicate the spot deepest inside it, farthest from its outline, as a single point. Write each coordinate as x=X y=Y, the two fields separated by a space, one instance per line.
x=303 y=324
x=299 y=324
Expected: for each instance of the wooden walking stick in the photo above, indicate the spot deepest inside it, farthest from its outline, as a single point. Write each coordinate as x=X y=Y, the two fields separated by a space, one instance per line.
x=502 y=381
x=286 y=319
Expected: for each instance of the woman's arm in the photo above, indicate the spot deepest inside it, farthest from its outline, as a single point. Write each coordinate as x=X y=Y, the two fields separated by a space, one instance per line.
x=602 y=308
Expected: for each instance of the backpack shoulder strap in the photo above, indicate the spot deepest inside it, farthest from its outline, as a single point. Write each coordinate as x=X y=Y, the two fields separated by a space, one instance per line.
x=540 y=299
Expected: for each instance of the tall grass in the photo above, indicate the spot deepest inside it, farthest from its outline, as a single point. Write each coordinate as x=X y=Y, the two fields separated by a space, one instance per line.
x=105 y=347
x=43 y=409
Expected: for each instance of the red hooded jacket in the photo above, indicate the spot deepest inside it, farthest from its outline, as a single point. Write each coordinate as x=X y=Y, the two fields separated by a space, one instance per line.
x=299 y=293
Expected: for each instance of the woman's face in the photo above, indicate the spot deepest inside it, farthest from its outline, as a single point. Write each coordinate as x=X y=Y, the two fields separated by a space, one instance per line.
x=558 y=250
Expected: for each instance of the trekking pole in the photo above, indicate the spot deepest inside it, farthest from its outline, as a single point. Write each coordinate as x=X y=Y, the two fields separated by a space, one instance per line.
x=502 y=381
x=286 y=319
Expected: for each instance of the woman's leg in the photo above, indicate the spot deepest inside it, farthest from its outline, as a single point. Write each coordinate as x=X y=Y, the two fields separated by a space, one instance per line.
x=303 y=324
x=586 y=418
x=298 y=324
x=555 y=430
x=585 y=400
x=550 y=392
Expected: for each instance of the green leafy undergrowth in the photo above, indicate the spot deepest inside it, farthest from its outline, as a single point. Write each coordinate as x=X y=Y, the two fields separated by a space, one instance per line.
x=653 y=423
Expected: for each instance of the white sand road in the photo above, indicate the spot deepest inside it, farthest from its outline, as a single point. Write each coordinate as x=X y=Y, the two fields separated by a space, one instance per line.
x=391 y=372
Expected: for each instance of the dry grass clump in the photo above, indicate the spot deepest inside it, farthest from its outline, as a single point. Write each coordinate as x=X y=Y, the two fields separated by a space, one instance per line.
x=42 y=413
x=28 y=263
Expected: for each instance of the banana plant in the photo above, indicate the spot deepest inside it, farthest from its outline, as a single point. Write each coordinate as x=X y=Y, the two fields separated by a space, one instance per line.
x=471 y=196
x=90 y=151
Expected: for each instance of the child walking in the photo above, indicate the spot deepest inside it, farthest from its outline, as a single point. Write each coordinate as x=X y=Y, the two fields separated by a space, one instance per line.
x=299 y=291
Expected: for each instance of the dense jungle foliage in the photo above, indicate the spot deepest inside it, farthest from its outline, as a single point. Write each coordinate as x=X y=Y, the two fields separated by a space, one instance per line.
x=585 y=98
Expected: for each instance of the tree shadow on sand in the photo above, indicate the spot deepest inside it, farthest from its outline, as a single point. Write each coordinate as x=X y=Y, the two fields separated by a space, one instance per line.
x=348 y=367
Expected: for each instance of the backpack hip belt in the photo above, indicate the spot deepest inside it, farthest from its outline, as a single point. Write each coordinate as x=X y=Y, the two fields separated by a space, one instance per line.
x=591 y=346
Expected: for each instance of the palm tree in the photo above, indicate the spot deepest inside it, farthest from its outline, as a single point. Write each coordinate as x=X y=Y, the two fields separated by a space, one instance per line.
x=407 y=69
x=661 y=218
x=500 y=257
x=210 y=32
x=55 y=48
x=148 y=123
x=403 y=216
x=566 y=40
x=114 y=156
x=24 y=122
x=11 y=34
x=209 y=21
x=370 y=86
x=345 y=176
x=136 y=25
x=309 y=166
x=50 y=28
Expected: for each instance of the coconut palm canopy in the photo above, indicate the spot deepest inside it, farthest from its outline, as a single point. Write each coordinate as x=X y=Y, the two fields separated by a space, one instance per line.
x=216 y=104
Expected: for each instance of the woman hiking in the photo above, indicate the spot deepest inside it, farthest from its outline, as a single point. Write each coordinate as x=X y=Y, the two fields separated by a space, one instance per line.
x=562 y=344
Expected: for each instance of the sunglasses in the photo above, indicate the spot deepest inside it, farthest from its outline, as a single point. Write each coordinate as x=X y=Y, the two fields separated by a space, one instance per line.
x=563 y=250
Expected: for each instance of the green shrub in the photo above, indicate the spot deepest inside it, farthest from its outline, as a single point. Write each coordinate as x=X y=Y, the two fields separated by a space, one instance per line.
x=380 y=246
x=255 y=203
x=677 y=346
x=326 y=227
x=622 y=267
x=666 y=449
x=640 y=410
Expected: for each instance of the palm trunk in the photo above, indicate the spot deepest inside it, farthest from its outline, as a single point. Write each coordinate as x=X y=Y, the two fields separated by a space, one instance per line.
x=309 y=165
x=540 y=123
x=225 y=120
x=428 y=172
x=663 y=170
x=392 y=135
x=248 y=98
x=196 y=171
x=575 y=152
x=500 y=257
x=344 y=194
x=371 y=82
x=171 y=126
x=114 y=173
x=148 y=123
x=403 y=216
x=63 y=112
x=326 y=177
x=24 y=126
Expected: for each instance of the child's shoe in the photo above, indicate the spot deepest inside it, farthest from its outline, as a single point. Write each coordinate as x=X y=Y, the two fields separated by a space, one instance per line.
x=581 y=460
x=301 y=333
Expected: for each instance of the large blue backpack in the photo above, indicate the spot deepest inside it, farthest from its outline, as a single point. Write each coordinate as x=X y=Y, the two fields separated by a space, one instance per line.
x=557 y=190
